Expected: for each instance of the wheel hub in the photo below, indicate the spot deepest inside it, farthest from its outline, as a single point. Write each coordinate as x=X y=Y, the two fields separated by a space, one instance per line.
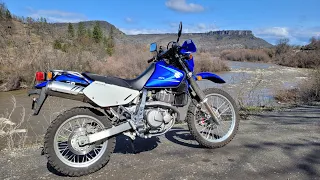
x=76 y=138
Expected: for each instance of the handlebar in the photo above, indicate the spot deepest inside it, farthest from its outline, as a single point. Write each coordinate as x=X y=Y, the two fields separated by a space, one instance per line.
x=150 y=60
x=164 y=53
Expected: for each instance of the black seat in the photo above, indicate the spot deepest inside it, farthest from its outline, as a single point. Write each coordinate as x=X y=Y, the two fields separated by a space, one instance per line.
x=137 y=83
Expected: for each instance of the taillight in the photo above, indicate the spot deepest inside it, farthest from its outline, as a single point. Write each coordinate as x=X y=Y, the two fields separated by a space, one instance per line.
x=40 y=76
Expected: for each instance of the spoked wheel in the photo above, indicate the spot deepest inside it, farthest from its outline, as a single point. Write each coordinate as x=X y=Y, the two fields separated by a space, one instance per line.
x=204 y=129
x=62 y=142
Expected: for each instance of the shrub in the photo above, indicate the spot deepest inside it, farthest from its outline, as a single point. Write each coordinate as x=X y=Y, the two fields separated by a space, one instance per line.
x=205 y=62
x=245 y=55
x=306 y=92
x=57 y=44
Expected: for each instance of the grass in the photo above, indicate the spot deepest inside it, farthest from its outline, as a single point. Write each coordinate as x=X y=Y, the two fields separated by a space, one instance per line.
x=9 y=130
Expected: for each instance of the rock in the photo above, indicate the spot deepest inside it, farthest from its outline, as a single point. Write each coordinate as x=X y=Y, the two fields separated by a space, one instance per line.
x=13 y=83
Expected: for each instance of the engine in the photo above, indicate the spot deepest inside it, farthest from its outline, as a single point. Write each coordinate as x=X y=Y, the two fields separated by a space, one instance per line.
x=175 y=98
x=157 y=117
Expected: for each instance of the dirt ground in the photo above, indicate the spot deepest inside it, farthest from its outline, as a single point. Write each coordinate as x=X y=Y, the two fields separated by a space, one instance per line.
x=271 y=145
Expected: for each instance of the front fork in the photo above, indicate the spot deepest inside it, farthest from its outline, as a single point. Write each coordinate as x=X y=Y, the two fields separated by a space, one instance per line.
x=203 y=99
x=200 y=94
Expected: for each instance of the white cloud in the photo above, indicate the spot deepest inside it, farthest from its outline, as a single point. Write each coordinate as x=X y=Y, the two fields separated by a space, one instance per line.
x=202 y=26
x=298 y=35
x=142 y=31
x=274 y=31
x=128 y=20
x=183 y=6
x=173 y=28
x=57 y=15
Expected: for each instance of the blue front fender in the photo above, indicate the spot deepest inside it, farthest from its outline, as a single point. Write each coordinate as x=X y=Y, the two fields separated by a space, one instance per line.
x=212 y=77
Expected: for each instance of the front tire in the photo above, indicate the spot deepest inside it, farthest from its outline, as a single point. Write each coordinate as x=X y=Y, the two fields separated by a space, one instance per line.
x=209 y=134
x=61 y=147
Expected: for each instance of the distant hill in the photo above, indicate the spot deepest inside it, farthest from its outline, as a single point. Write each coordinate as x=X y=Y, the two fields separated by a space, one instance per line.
x=105 y=26
x=213 y=40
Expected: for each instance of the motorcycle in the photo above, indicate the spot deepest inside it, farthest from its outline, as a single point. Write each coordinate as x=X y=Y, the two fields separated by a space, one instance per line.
x=80 y=140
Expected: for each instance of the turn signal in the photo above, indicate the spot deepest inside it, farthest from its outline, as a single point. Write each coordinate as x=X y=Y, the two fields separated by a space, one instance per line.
x=199 y=78
x=49 y=75
x=190 y=57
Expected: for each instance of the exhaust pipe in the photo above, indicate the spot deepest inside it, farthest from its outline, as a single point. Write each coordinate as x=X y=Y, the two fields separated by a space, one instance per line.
x=65 y=88
x=58 y=89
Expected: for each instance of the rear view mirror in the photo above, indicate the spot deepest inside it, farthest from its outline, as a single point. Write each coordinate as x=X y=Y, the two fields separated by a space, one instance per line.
x=153 y=47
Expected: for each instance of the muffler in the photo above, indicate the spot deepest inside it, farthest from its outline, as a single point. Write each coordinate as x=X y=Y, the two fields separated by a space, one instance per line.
x=65 y=87
x=57 y=89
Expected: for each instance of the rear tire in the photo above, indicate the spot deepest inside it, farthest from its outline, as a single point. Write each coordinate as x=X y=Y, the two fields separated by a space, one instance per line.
x=56 y=160
x=192 y=121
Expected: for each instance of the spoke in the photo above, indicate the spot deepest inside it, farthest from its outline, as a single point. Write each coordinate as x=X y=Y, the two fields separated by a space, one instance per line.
x=220 y=106
x=83 y=123
x=74 y=158
x=224 y=111
x=88 y=157
x=67 y=130
x=203 y=129
x=208 y=133
x=70 y=157
x=71 y=126
x=65 y=150
x=79 y=123
x=95 y=151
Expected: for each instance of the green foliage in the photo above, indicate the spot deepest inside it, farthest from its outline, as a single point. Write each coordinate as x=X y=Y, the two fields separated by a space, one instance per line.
x=65 y=47
x=89 y=33
x=81 y=30
x=57 y=44
x=42 y=20
x=70 y=30
x=3 y=10
x=8 y=14
x=97 y=34
x=109 y=43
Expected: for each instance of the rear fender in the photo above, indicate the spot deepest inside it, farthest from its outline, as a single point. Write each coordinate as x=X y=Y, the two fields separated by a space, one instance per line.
x=210 y=76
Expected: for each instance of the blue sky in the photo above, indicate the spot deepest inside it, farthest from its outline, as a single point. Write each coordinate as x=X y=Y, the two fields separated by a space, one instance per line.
x=271 y=20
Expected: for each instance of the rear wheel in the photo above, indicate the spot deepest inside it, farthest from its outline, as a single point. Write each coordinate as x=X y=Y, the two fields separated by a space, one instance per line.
x=204 y=130
x=62 y=142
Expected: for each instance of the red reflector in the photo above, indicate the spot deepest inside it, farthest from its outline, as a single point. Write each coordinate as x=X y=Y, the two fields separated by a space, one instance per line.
x=40 y=76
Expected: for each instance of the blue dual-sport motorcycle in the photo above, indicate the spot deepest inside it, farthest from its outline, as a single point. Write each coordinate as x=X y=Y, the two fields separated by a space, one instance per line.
x=80 y=140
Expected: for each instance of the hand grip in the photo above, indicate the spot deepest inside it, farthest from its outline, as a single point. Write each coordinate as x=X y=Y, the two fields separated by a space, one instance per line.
x=150 y=60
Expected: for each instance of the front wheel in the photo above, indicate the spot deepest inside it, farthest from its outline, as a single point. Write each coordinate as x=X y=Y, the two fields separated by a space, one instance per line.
x=62 y=147
x=205 y=131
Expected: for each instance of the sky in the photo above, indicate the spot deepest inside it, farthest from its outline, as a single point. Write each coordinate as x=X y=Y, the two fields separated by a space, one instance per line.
x=297 y=20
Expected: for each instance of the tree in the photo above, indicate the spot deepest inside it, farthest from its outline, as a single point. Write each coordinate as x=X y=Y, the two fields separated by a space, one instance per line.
x=89 y=33
x=109 y=42
x=3 y=10
x=81 y=30
x=282 y=46
x=8 y=14
x=97 y=34
x=70 y=30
